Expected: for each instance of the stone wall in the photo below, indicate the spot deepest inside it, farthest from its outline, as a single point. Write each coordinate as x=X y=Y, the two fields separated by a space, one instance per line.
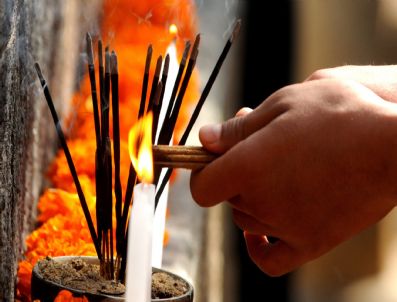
x=51 y=33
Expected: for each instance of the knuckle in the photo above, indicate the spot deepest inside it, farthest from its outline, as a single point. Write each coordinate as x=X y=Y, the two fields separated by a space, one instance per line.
x=233 y=131
x=326 y=73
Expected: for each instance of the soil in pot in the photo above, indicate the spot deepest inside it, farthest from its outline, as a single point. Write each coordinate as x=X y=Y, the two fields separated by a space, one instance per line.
x=76 y=273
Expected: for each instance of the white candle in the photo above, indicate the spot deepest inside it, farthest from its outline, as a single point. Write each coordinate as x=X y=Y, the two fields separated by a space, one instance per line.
x=139 y=264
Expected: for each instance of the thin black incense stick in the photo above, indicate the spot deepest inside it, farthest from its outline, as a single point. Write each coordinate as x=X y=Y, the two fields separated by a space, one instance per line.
x=155 y=81
x=69 y=160
x=145 y=81
x=156 y=109
x=101 y=71
x=132 y=174
x=116 y=149
x=106 y=219
x=182 y=64
x=91 y=72
x=116 y=133
x=164 y=78
x=210 y=82
x=201 y=101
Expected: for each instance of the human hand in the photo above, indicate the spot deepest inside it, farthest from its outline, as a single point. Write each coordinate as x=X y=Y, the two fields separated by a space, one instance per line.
x=313 y=165
x=382 y=80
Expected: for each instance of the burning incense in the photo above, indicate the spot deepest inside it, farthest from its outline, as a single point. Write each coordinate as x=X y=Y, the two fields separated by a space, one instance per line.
x=186 y=157
x=69 y=159
x=91 y=72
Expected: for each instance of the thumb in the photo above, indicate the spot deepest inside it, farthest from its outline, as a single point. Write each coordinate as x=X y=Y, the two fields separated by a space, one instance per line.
x=219 y=138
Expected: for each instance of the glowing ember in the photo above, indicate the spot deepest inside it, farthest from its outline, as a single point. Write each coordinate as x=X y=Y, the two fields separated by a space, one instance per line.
x=173 y=29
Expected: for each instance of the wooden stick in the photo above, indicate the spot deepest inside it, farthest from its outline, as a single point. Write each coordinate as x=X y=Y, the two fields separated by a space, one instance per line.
x=186 y=157
x=69 y=160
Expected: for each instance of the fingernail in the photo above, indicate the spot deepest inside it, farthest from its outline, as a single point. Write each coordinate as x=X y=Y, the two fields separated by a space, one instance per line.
x=210 y=133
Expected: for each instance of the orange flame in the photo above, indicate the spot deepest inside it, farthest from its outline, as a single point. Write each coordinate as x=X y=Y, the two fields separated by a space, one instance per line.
x=140 y=148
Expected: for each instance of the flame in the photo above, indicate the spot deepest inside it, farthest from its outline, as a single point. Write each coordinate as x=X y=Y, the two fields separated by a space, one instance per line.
x=173 y=29
x=140 y=148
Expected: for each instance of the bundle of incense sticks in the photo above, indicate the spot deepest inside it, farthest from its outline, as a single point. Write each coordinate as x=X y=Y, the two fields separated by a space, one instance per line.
x=164 y=156
x=186 y=157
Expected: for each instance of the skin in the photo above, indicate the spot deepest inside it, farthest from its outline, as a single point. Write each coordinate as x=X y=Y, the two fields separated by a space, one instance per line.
x=313 y=165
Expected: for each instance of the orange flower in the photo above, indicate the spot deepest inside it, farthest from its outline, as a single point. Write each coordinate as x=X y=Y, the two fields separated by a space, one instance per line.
x=67 y=296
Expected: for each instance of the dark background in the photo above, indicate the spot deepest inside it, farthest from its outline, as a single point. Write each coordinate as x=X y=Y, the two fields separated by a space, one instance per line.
x=266 y=68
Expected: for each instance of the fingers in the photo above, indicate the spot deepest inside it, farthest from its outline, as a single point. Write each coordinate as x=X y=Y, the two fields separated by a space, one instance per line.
x=225 y=177
x=274 y=259
x=219 y=138
x=220 y=180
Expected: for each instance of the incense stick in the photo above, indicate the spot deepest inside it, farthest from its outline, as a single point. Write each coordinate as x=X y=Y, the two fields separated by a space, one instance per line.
x=69 y=160
x=116 y=133
x=116 y=149
x=155 y=81
x=187 y=157
x=107 y=205
x=132 y=174
x=210 y=82
x=159 y=104
x=156 y=109
x=91 y=72
x=101 y=74
x=145 y=81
